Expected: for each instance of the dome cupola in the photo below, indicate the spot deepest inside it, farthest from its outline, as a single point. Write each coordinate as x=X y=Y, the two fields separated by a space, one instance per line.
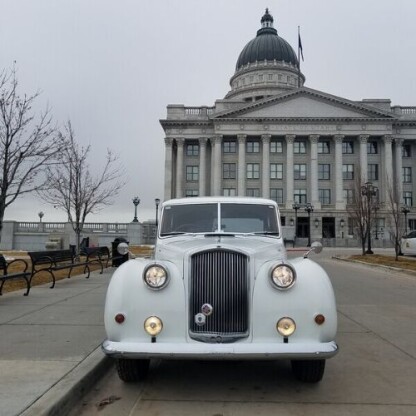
x=267 y=65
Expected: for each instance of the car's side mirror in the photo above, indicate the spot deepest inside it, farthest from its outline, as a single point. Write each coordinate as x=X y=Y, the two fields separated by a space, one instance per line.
x=316 y=247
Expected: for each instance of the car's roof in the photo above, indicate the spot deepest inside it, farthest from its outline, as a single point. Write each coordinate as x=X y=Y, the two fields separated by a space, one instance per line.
x=220 y=199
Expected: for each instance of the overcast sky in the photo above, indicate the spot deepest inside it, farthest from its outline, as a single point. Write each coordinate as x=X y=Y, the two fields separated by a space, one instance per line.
x=112 y=67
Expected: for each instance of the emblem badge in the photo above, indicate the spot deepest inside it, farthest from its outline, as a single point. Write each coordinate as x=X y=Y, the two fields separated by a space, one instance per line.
x=200 y=319
x=207 y=309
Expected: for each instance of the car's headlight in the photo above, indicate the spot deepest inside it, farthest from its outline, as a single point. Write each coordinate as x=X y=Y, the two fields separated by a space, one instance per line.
x=155 y=277
x=283 y=276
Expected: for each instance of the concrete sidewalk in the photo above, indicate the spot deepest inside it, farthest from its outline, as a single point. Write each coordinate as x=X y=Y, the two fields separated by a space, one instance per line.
x=50 y=345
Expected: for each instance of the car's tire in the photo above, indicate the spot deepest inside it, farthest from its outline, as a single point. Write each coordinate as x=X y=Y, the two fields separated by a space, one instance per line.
x=132 y=370
x=308 y=371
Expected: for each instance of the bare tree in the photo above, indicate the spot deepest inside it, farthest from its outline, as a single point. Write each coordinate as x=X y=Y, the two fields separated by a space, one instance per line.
x=358 y=211
x=28 y=143
x=393 y=209
x=75 y=190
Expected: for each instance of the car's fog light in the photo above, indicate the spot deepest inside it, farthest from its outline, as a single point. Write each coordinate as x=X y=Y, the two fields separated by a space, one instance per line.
x=319 y=319
x=153 y=325
x=286 y=326
x=119 y=318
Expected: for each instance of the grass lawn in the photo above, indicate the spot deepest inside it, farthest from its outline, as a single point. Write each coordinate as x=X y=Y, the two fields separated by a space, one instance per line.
x=42 y=278
x=407 y=263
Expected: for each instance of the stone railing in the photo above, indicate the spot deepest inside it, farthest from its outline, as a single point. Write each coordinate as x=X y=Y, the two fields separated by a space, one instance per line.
x=405 y=111
x=182 y=112
x=25 y=235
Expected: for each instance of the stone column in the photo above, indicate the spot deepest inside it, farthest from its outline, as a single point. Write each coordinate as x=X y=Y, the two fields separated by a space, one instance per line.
x=290 y=138
x=179 y=168
x=202 y=166
x=216 y=165
x=388 y=166
x=241 y=177
x=314 y=171
x=265 y=138
x=363 y=157
x=339 y=184
x=168 y=169
x=399 y=167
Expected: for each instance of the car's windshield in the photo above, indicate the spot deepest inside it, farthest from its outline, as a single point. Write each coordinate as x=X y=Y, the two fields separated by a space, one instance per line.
x=234 y=218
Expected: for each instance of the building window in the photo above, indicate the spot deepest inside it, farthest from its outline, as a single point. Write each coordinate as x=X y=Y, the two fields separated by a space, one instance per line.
x=255 y=192
x=348 y=147
x=192 y=173
x=323 y=147
x=408 y=198
x=253 y=146
x=299 y=146
x=372 y=148
x=229 y=171
x=191 y=192
x=277 y=195
x=349 y=196
x=407 y=174
x=325 y=196
x=299 y=170
x=372 y=173
x=299 y=195
x=406 y=150
x=229 y=146
x=351 y=225
x=276 y=171
x=347 y=171
x=253 y=171
x=276 y=146
x=192 y=150
x=229 y=192
x=260 y=77
x=324 y=171
x=270 y=77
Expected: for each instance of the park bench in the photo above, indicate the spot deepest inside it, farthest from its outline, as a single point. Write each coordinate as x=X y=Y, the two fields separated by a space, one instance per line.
x=288 y=240
x=102 y=253
x=23 y=274
x=54 y=260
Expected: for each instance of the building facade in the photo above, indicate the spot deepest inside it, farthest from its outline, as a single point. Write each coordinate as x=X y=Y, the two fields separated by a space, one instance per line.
x=273 y=137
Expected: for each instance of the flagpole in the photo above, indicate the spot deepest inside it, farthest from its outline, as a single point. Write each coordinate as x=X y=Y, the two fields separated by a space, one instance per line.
x=298 y=57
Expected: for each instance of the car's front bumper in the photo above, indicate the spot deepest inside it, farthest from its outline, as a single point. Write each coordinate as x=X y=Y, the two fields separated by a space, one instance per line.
x=249 y=351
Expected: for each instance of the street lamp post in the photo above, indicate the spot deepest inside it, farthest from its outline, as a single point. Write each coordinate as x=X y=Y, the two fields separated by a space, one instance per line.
x=157 y=202
x=376 y=208
x=136 y=202
x=296 y=206
x=369 y=191
x=405 y=211
x=309 y=209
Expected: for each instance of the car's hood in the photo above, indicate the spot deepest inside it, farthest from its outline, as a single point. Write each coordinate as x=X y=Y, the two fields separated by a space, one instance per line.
x=261 y=248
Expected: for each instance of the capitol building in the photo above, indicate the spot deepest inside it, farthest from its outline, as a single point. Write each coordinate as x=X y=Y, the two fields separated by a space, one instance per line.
x=273 y=137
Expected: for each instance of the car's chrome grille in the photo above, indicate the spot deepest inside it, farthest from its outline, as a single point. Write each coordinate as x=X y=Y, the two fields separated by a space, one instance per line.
x=219 y=278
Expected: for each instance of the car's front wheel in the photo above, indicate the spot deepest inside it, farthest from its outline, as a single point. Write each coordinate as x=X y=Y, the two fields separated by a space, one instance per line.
x=132 y=370
x=308 y=371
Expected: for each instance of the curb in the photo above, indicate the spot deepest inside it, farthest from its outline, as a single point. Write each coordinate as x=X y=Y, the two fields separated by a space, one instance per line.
x=394 y=269
x=61 y=398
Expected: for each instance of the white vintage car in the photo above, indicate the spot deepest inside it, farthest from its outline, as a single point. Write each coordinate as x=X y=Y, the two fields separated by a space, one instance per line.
x=220 y=286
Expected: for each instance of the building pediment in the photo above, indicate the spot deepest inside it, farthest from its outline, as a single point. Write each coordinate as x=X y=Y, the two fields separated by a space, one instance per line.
x=305 y=103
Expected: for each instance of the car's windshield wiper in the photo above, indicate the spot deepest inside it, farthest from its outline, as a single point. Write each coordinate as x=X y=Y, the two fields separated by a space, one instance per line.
x=266 y=232
x=219 y=234
x=172 y=233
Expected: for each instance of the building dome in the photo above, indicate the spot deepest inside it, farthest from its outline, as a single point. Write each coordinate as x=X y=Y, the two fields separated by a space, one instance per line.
x=267 y=66
x=267 y=45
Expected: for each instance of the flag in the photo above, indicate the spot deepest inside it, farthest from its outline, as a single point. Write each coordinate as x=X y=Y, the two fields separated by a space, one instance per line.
x=300 y=46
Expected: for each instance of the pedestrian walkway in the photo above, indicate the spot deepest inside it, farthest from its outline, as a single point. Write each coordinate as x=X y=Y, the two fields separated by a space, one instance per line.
x=50 y=345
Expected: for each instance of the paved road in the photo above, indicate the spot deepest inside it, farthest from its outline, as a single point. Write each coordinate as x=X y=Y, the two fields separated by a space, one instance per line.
x=374 y=373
